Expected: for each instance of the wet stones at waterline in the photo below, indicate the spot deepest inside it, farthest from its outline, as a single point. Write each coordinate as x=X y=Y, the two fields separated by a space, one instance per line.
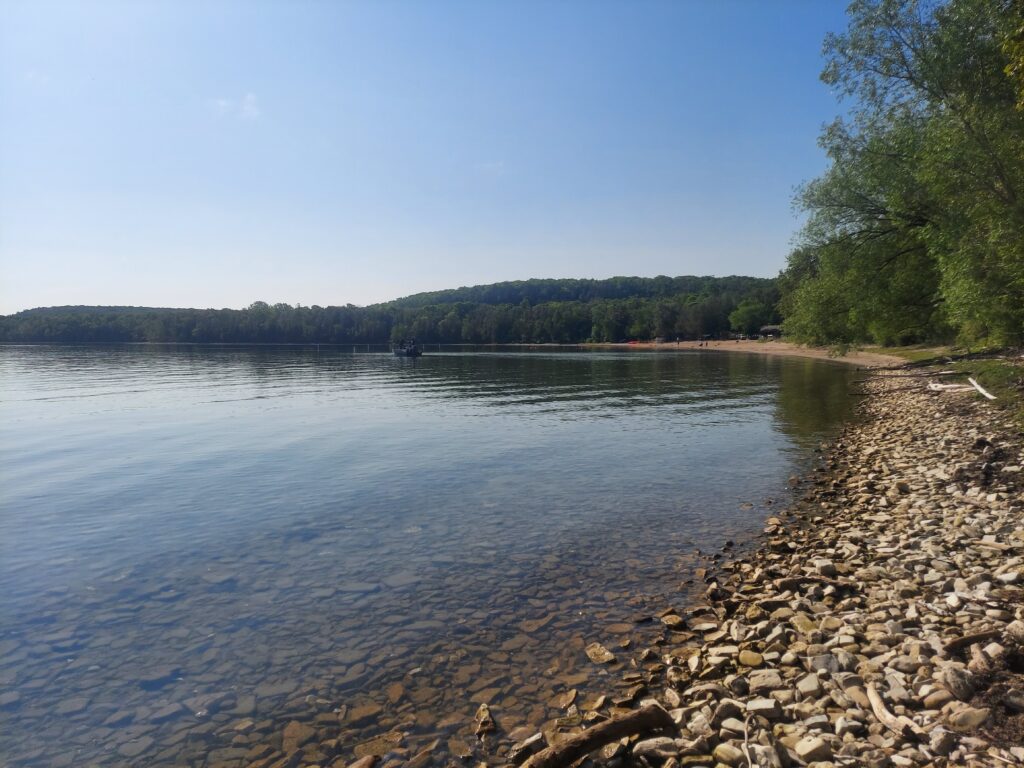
x=881 y=623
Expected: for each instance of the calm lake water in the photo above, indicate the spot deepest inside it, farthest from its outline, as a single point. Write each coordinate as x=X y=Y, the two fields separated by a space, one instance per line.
x=199 y=545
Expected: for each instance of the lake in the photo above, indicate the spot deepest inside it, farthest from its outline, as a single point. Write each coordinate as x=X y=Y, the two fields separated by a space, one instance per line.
x=200 y=545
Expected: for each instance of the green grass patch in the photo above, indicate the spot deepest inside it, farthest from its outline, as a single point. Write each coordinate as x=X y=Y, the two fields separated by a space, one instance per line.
x=929 y=353
x=916 y=353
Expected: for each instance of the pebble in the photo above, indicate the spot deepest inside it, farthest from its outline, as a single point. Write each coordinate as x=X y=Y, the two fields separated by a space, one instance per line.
x=812 y=749
x=135 y=747
x=598 y=654
x=969 y=718
x=750 y=658
x=769 y=708
x=729 y=754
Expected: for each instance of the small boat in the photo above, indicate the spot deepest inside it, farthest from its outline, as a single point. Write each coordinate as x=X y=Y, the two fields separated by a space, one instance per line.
x=407 y=349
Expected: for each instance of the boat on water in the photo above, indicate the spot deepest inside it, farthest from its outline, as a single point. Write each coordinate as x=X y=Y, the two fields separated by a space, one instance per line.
x=407 y=348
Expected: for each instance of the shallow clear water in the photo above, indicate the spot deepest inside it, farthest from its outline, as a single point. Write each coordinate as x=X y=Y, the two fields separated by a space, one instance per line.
x=195 y=537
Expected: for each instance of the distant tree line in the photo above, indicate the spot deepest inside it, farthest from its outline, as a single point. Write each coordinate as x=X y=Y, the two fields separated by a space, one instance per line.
x=532 y=311
x=916 y=230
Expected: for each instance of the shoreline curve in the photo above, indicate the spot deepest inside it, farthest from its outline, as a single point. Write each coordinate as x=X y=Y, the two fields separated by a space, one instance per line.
x=781 y=348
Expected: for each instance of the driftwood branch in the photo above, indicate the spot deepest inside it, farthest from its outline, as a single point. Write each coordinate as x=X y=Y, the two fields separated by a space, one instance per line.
x=794 y=583
x=925 y=374
x=901 y=725
x=949 y=387
x=966 y=641
x=565 y=753
x=978 y=387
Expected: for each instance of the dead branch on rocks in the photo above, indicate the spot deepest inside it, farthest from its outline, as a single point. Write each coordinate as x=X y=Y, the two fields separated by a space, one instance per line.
x=794 y=583
x=901 y=725
x=920 y=375
x=649 y=718
x=966 y=641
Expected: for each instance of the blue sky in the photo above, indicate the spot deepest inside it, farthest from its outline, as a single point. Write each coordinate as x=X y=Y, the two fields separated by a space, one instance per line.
x=211 y=154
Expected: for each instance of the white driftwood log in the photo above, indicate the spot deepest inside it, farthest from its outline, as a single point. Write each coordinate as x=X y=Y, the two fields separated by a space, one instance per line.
x=977 y=386
x=901 y=724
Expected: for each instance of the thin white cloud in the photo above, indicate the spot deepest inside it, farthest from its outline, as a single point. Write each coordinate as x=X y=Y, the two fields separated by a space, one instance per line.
x=245 y=108
x=35 y=77
x=249 y=109
x=491 y=168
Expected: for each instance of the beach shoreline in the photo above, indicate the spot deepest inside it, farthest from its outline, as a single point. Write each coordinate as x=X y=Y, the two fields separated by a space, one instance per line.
x=774 y=347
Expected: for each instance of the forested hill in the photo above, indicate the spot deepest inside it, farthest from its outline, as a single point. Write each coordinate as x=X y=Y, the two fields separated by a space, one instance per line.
x=532 y=311
x=544 y=291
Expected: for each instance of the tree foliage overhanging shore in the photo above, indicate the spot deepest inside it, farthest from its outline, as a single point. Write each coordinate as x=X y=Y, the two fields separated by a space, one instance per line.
x=916 y=230
x=534 y=311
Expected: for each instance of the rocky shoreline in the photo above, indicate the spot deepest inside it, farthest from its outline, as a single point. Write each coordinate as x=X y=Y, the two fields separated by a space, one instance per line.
x=879 y=623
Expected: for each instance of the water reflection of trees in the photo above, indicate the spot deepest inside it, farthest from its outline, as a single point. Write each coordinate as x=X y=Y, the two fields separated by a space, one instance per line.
x=807 y=394
x=813 y=396
x=632 y=379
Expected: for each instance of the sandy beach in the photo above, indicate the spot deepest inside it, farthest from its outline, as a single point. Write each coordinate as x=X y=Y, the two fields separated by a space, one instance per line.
x=863 y=359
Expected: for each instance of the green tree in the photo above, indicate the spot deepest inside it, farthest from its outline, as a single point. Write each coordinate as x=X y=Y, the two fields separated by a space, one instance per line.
x=750 y=315
x=917 y=227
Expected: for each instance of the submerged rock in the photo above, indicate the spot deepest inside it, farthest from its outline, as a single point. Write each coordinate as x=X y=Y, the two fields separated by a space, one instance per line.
x=598 y=654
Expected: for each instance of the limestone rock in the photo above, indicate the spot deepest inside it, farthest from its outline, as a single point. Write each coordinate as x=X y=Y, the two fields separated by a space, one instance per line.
x=598 y=654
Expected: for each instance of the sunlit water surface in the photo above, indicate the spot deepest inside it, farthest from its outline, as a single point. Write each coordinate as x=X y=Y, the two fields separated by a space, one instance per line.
x=199 y=545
